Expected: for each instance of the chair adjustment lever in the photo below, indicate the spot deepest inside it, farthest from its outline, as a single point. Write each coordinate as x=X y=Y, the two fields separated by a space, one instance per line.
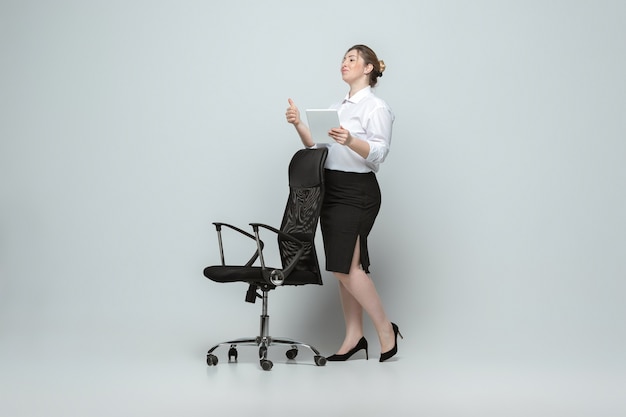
x=251 y=294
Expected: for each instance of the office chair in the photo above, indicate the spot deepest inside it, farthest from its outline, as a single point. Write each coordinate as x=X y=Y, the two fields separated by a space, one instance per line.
x=296 y=246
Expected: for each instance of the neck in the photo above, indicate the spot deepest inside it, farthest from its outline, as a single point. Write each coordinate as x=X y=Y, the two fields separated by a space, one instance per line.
x=356 y=87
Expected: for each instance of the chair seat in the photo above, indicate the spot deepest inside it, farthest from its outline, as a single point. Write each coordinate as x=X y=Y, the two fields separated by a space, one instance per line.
x=254 y=275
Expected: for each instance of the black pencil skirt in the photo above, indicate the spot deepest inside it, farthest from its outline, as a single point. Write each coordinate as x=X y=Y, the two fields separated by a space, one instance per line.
x=351 y=204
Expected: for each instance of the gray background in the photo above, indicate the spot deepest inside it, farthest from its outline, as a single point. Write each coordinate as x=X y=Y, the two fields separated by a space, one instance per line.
x=126 y=128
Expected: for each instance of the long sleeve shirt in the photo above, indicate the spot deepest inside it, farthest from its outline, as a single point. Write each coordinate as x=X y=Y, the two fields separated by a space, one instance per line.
x=368 y=118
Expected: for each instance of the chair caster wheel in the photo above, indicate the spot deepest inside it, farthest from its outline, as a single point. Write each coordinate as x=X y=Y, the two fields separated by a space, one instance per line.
x=266 y=364
x=292 y=353
x=319 y=360
x=232 y=354
x=211 y=360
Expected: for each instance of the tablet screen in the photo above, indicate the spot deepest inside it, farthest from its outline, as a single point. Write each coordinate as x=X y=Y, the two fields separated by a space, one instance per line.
x=320 y=122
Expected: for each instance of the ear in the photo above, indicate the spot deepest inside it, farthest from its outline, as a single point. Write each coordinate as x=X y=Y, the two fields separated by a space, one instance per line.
x=368 y=68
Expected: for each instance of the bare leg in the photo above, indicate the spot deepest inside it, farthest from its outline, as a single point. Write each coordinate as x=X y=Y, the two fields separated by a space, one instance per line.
x=353 y=315
x=358 y=293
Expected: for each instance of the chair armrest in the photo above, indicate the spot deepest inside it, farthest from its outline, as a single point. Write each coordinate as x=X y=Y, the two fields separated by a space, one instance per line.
x=297 y=238
x=260 y=244
x=277 y=277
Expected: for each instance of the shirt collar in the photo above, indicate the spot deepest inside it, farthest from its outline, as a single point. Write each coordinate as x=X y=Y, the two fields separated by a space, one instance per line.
x=360 y=95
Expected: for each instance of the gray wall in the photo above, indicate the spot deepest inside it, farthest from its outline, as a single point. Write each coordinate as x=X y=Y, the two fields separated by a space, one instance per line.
x=128 y=127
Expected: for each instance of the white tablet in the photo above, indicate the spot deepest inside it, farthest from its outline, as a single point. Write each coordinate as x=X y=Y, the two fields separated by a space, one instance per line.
x=320 y=122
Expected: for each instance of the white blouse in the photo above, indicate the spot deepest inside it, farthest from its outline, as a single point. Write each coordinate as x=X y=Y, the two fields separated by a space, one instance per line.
x=369 y=118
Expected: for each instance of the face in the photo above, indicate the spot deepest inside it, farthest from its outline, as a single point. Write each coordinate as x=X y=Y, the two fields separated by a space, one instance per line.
x=353 y=67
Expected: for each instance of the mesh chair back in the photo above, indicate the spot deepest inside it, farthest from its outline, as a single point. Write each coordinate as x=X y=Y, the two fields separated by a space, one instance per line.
x=302 y=212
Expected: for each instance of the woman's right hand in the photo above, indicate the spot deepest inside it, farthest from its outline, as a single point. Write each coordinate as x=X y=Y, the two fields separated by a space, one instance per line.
x=293 y=117
x=293 y=114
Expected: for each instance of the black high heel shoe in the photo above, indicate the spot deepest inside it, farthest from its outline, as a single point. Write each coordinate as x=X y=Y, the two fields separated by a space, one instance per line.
x=362 y=344
x=386 y=355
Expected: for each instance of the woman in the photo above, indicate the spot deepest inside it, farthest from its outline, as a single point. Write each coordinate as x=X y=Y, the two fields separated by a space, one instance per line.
x=352 y=198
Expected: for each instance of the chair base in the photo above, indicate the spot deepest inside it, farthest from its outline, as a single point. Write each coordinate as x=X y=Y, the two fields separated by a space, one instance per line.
x=263 y=342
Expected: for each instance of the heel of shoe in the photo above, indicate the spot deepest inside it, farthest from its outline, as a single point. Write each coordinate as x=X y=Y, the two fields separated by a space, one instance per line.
x=362 y=345
x=397 y=330
x=389 y=354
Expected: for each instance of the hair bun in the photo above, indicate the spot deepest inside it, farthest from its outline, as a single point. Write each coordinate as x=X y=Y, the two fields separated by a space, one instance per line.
x=382 y=65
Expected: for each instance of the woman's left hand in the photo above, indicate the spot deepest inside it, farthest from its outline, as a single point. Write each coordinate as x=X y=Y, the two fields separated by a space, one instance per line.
x=340 y=135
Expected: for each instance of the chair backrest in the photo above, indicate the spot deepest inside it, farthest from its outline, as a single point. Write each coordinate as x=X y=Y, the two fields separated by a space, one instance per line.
x=302 y=212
